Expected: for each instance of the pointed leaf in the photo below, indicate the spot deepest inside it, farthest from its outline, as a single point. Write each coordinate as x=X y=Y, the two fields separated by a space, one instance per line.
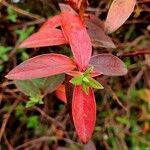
x=75 y=32
x=51 y=23
x=85 y=88
x=108 y=64
x=44 y=38
x=61 y=93
x=83 y=113
x=119 y=12
x=95 y=84
x=88 y=71
x=42 y=66
x=77 y=80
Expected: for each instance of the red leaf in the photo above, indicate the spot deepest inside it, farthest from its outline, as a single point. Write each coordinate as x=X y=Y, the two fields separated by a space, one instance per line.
x=47 y=38
x=51 y=23
x=98 y=36
x=42 y=66
x=118 y=13
x=75 y=32
x=61 y=93
x=108 y=64
x=83 y=113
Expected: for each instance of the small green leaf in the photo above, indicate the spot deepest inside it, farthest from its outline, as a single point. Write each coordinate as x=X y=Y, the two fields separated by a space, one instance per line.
x=88 y=71
x=3 y=53
x=77 y=80
x=85 y=88
x=23 y=34
x=33 y=121
x=86 y=80
x=95 y=84
x=12 y=16
x=34 y=100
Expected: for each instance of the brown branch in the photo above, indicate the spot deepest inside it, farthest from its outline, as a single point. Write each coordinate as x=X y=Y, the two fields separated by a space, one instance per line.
x=6 y=118
x=135 y=53
x=44 y=138
x=69 y=93
x=20 y=11
x=7 y=143
x=49 y=118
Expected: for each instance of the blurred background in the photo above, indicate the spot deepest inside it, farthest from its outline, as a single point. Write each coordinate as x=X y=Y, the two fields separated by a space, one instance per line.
x=123 y=107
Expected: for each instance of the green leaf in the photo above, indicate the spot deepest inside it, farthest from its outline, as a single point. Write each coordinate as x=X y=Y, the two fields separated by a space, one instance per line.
x=85 y=88
x=33 y=121
x=39 y=86
x=122 y=120
x=23 y=34
x=86 y=80
x=88 y=71
x=27 y=87
x=77 y=80
x=34 y=100
x=3 y=53
x=12 y=16
x=51 y=83
x=95 y=84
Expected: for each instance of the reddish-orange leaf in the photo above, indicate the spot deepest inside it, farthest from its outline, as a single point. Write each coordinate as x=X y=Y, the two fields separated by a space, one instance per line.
x=108 y=64
x=83 y=113
x=51 y=23
x=75 y=32
x=48 y=37
x=42 y=66
x=61 y=93
x=119 y=12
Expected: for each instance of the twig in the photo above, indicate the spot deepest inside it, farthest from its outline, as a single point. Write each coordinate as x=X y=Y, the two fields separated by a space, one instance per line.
x=136 y=79
x=133 y=83
x=116 y=98
x=7 y=143
x=20 y=11
x=6 y=118
x=135 y=53
x=44 y=138
x=49 y=118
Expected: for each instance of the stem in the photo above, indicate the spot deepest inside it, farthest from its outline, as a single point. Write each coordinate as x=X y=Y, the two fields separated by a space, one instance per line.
x=135 y=53
x=69 y=93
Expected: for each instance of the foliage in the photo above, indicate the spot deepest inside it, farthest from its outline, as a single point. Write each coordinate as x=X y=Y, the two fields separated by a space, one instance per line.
x=52 y=64
x=120 y=124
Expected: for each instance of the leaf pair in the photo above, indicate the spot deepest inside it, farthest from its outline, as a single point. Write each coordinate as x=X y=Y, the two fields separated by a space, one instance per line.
x=73 y=33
